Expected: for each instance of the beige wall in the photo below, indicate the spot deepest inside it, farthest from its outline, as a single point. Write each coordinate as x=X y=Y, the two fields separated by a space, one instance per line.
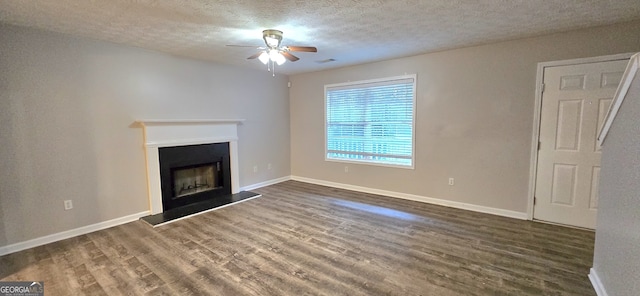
x=474 y=117
x=66 y=111
x=617 y=250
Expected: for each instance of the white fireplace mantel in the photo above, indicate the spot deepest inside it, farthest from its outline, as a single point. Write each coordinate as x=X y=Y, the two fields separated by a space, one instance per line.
x=168 y=133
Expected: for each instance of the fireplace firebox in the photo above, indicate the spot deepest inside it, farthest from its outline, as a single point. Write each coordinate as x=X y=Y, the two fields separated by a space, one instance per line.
x=199 y=178
x=194 y=173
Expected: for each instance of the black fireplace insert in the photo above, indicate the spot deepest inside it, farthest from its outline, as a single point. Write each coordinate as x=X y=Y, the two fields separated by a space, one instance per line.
x=194 y=173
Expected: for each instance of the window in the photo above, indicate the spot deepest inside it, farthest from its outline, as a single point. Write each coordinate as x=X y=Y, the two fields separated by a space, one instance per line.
x=371 y=121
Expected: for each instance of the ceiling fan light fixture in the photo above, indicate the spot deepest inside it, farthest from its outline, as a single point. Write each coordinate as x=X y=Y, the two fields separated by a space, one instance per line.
x=273 y=54
x=264 y=57
x=280 y=59
x=276 y=56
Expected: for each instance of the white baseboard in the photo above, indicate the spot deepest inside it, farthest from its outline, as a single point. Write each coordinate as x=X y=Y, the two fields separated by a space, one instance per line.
x=265 y=183
x=430 y=200
x=4 y=250
x=596 y=283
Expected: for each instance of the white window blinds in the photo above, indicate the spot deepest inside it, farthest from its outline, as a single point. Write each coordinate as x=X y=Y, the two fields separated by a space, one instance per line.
x=371 y=121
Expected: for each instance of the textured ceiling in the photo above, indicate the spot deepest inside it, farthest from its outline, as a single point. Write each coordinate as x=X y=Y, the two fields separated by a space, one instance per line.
x=351 y=32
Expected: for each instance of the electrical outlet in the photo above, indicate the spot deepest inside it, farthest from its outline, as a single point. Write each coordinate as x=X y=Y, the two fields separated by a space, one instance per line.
x=451 y=181
x=268 y=166
x=255 y=168
x=68 y=204
x=346 y=169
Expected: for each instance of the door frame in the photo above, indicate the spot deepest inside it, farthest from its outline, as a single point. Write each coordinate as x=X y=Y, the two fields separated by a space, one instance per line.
x=535 y=138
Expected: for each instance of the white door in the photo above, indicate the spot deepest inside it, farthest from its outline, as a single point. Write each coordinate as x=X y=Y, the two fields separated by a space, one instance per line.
x=575 y=100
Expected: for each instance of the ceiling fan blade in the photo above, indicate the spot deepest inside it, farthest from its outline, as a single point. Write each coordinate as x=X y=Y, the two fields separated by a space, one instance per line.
x=290 y=56
x=254 y=56
x=302 y=48
x=234 y=45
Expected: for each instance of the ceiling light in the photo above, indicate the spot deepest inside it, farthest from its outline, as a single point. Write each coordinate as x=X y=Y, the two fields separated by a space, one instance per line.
x=270 y=58
x=280 y=59
x=273 y=54
x=276 y=56
x=264 y=57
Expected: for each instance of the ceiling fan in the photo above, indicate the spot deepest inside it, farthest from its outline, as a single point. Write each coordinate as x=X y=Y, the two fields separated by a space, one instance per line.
x=275 y=54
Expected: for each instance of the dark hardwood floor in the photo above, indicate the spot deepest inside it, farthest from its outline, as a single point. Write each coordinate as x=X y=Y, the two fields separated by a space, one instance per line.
x=302 y=239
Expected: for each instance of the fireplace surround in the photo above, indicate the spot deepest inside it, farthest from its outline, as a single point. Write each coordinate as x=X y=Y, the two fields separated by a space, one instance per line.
x=174 y=135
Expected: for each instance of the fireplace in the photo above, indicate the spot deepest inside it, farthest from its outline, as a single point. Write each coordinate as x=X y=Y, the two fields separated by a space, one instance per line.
x=195 y=179
x=190 y=160
x=194 y=173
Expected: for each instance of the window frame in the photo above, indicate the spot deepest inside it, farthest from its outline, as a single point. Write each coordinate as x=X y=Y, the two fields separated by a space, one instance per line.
x=413 y=121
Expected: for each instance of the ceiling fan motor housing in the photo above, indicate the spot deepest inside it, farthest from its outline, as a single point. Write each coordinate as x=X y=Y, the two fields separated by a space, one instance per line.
x=272 y=37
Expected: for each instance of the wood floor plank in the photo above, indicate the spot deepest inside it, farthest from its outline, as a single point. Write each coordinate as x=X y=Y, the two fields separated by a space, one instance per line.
x=303 y=239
